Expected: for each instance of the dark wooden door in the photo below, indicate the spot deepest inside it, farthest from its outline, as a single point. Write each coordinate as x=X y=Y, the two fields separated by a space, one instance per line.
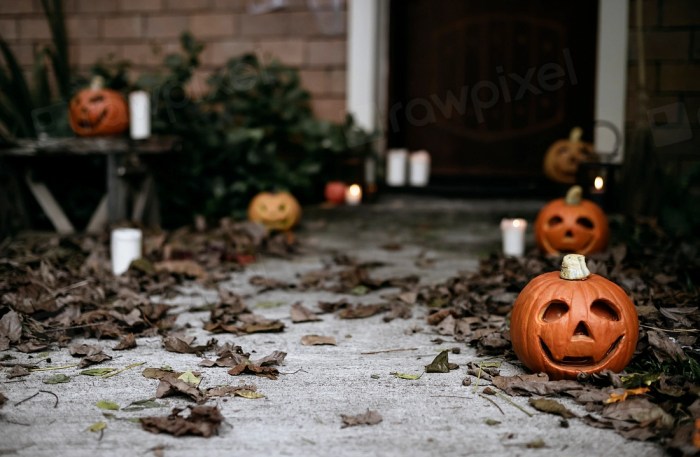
x=486 y=86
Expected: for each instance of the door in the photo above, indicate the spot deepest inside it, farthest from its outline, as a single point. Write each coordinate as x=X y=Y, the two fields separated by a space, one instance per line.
x=487 y=86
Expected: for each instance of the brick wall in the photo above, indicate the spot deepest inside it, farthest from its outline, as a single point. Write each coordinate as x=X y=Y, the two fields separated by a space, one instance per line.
x=671 y=34
x=142 y=31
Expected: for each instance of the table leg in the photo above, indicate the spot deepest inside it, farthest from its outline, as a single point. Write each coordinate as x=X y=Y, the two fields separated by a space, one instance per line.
x=49 y=204
x=116 y=189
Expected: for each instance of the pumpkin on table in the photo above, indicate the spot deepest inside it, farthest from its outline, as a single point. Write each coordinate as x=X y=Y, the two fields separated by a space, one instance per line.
x=275 y=210
x=564 y=156
x=570 y=322
x=571 y=225
x=97 y=111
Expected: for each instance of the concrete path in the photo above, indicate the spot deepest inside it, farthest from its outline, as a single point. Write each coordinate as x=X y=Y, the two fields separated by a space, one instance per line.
x=300 y=415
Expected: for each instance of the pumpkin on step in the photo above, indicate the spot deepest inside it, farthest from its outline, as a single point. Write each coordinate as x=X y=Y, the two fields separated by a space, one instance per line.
x=275 y=210
x=564 y=156
x=570 y=322
x=97 y=111
x=571 y=225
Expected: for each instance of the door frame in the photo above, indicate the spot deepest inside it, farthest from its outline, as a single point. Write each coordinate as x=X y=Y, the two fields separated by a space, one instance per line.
x=368 y=67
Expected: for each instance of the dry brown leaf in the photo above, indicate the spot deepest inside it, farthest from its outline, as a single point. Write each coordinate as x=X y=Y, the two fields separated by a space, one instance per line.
x=317 y=340
x=202 y=421
x=300 y=313
x=126 y=342
x=367 y=418
x=188 y=268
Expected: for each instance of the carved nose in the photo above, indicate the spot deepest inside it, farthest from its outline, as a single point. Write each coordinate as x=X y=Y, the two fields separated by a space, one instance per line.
x=569 y=234
x=581 y=330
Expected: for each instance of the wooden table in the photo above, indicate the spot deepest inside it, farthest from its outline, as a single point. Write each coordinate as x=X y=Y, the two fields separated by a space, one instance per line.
x=124 y=156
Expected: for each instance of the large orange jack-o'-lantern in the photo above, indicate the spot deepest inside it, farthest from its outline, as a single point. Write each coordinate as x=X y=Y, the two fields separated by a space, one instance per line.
x=98 y=111
x=571 y=225
x=276 y=211
x=564 y=156
x=570 y=322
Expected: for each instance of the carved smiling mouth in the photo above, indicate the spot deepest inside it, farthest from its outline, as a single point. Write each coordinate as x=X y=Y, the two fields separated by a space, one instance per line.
x=570 y=361
x=86 y=124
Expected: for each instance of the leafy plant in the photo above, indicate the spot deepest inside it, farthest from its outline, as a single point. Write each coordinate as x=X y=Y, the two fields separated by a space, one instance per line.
x=17 y=99
x=252 y=130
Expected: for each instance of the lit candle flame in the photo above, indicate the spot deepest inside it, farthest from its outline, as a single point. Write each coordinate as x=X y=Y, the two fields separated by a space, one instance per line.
x=353 y=195
x=598 y=182
x=516 y=222
x=355 y=190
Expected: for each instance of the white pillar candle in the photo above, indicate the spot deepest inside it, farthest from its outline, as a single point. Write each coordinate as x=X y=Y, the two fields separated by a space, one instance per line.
x=125 y=247
x=139 y=115
x=396 y=162
x=353 y=195
x=419 y=168
x=513 y=231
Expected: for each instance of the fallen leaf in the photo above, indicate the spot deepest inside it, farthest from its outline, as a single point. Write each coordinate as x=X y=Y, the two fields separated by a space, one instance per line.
x=300 y=313
x=126 y=342
x=17 y=371
x=190 y=378
x=249 y=394
x=368 y=418
x=82 y=350
x=547 y=405
x=56 y=379
x=171 y=385
x=108 y=405
x=93 y=359
x=188 y=268
x=98 y=371
x=535 y=444
x=97 y=427
x=440 y=364
x=410 y=377
x=491 y=422
x=202 y=421
x=11 y=327
x=158 y=373
x=226 y=391
x=184 y=345
x=3 y=400
x=140 y=405
x=361 y=311
x=616 y=397
x=317 y=340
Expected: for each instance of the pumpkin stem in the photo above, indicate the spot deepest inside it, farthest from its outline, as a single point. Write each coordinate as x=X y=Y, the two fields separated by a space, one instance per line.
x=97 y=83
x=573 y=267
x=573 y=196
x=575 y=134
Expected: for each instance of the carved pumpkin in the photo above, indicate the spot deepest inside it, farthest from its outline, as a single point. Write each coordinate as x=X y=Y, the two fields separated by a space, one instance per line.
x=98 y=111
x=276 y=211
x=564 y=156
x=570 y=322
x=571 y=225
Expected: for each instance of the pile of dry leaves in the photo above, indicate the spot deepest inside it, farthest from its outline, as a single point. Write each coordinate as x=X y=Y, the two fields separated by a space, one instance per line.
x=53 y=288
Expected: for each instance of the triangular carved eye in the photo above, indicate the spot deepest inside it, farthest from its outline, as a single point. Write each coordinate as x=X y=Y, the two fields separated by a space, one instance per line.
x=604 y=310
x=555 y=310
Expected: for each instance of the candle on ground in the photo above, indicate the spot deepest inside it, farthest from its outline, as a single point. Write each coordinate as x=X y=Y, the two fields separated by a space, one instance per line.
x=396 y=167
x=513 y=231
x=419 y=168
